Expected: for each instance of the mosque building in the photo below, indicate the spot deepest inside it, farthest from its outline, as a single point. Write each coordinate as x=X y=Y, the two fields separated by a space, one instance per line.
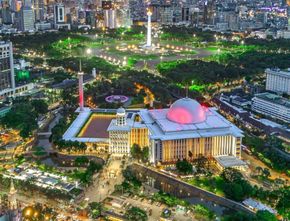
x=185 y=130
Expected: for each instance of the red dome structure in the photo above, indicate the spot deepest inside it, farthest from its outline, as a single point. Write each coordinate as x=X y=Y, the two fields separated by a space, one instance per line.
x=186 y=111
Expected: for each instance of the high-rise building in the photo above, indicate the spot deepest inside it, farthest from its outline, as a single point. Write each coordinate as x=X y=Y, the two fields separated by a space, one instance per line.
x=26 y=19
x=59 y=14
x=166 y=15
x=185 y=16
x=91 y=18
x=278 y=80
x=110 y=18
x=6 y=16
x=7 y=80
x=38 y=7
x=123 y=17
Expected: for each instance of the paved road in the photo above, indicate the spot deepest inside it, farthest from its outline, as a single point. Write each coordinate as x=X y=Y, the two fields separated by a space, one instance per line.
x=104 y=185
x=151 y=63
x=43 y=141
x=254 y=162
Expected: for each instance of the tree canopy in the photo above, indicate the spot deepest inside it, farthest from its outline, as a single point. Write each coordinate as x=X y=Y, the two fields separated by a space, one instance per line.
x=183 y=166
x=135 y=213
x=23 y=116
x=236 y=187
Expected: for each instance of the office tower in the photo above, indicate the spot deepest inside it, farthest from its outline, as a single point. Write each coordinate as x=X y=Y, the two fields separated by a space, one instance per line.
x=7 y=81
x=166 y=15
x=59 y=14
x=110 y=18
x=185 y=14
x=26 y=19
x=27 y=3
x=18 y=5
x=208 y=12
x=38 y=6
x=6 y=16
x=60 y=17
x=91 y=18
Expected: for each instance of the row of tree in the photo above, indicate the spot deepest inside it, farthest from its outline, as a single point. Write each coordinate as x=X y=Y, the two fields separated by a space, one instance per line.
x=139 y=153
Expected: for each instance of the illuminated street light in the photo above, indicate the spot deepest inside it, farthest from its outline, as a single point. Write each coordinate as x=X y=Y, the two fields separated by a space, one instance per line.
x=89 y=51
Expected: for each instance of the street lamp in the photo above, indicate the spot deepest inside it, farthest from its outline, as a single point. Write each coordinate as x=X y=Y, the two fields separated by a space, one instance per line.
x=89 y=51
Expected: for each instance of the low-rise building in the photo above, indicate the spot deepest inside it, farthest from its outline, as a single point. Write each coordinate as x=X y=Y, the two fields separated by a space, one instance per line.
x=278 y=80
x=272 y=105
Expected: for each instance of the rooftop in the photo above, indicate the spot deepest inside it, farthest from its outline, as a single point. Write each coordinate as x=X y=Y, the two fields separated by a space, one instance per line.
x=258 y=205
x=274 y=99
x=165 y=129
x=277 y=71
x=229 y=161
x=186 y=111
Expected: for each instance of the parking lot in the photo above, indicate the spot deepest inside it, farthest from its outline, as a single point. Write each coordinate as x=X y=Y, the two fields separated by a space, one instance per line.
x=119 y=205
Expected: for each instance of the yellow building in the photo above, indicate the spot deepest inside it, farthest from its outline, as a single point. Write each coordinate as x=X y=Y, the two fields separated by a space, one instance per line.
x=126 y=130
x=187 y=130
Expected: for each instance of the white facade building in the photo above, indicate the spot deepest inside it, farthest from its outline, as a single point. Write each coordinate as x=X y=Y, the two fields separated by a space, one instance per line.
x=272 y=105
x=278 y=80
x=60 y=17
x=59 y=14
x=110 y=18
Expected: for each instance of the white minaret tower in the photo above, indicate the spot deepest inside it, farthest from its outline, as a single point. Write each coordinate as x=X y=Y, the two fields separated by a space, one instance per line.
x=121 y=117
x=149 y=40
x=12 y=196
x=81 y=88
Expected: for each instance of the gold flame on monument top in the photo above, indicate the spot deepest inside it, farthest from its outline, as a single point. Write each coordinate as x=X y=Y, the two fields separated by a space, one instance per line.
x=149 y=13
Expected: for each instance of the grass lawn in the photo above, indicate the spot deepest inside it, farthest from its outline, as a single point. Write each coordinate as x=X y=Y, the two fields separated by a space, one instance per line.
x=192 y=52
x=175 y=43
x=213 y=184
x=39 y=151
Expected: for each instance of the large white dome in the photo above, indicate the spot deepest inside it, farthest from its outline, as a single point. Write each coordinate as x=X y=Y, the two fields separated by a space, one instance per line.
x=186 y=111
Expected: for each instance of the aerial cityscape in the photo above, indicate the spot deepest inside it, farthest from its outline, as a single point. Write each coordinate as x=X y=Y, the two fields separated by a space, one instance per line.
x=144 y=110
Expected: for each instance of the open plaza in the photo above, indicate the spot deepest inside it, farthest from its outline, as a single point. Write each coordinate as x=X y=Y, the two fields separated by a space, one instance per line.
x=45 y=180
